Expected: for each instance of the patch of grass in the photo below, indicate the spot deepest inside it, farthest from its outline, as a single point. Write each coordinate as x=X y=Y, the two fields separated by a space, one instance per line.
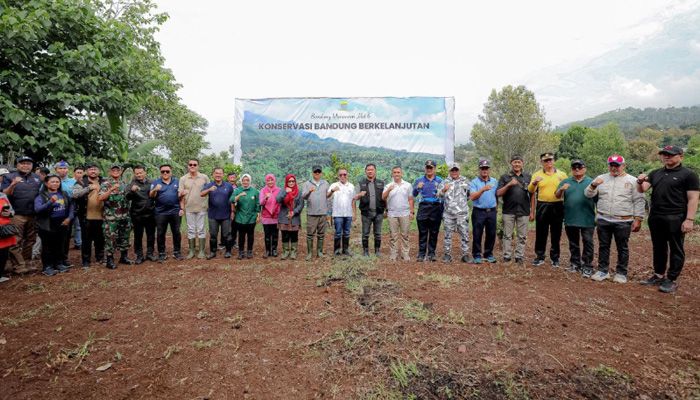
x=416 y=310
x=402 y=373
x=609 y=374
x=81 y=351
x=45 y=309
x=381 y=392
x=452 y=317
x=203 y=344
x=443 y=280
x=74 y=286
x=352 y=271
x=35 y=288
x=171 y=350
x=511 y=388
x=104 y=284
x=500 y=333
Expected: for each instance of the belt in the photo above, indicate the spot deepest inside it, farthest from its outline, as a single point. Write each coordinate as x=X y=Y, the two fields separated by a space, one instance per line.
x=624 y=217
x=485 y=209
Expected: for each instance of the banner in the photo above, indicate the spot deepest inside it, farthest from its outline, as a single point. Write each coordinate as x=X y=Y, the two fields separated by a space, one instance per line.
x=423 y=125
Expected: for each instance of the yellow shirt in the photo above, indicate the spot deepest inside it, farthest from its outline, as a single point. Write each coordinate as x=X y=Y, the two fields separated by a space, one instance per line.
x=193 y=201
x=547 y=186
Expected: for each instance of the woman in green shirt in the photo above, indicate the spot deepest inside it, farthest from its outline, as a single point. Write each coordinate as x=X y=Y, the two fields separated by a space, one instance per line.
x=246 y=206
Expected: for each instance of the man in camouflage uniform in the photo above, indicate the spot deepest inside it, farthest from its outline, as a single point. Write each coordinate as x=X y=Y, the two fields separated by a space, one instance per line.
x=117 y=224
x=455 y=192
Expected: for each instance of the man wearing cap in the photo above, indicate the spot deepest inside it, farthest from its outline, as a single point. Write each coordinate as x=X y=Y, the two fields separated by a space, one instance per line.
x=372 y=208
x=342 y=195
x=547 y=210
x=430 y=208
x=314 y=192
x=674 y=203
x=399 y=204
x=165 y=192
x=512 y=188
x=67 y=183
x=579 y=218
x=142 y=209
x=78 y=173
x=620 y=211
x=483 y=196
x=454 y=191
x=195 y=207
x=21 y=188
x=117 y=224
x=89 y=211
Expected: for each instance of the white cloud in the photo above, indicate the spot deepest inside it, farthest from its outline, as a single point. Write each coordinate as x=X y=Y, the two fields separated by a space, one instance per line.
x=632 y=87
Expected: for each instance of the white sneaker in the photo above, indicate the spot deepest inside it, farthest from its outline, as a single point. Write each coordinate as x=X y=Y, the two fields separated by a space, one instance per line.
x=619 y=278
x=4 y=279
x=600 y=276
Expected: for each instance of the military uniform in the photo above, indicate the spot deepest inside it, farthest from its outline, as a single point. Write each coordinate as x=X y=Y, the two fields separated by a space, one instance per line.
x=456 y=214
x=117 y=224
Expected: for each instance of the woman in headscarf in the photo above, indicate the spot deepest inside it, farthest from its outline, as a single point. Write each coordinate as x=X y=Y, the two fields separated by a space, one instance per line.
x=289 y=220
x=270 y=212
x=246 y=205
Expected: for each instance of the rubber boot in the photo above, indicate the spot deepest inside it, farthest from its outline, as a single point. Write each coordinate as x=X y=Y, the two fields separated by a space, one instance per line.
x=293 y=251
x=365 y=247
x=192 y=243
x=309 y=249
x=319 y=247
x=110 y=262
x=273 y=251
x=268 y=245
x=202 y=244
x=377 y=246
x=346 y=246
x=337 y=250
x=124 y=258
x=285 y=251
x=212 y=249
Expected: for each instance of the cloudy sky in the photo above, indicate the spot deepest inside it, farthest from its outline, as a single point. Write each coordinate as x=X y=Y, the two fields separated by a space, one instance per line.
x=580 y=58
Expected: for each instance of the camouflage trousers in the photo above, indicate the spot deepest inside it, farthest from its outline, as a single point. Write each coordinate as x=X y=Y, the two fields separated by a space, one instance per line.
x=459 y=223
x=117 y=233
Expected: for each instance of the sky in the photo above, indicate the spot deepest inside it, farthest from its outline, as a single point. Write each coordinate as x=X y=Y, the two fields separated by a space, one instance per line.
x=579 y=58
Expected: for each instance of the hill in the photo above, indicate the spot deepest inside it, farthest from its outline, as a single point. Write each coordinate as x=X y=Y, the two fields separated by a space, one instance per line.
x=631 y=119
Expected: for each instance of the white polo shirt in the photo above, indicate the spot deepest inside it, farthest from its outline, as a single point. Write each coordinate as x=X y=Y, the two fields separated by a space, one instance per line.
x=397 y=201
x=342 y=199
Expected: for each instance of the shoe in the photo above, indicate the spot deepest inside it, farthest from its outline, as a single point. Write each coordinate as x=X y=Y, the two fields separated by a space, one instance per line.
x=191 y=244
x=4 y=279
x=221 y=247
x=62 y=268
x=178 y=256
x=86 y=264
x=587 y=272
x=49 y=271
x=152 y=257
x=266 y=254
x=600 y=276
x=477 y=260
x=573 y=268
x=432 y=258
x=67 y=264
x=668 y=286
x=518 y=260
x=273 y=253
x=619 y=278
x=162 y=258
x=249 y=254
x=77 y=247
x=447 y=258
x=241 y=255
x=537 y=262
x=506 y=259
x=465 y=259
x=653 y=280
x=110 y=263
x=211 y=255
x=124 y=258
x=491 y=259
x=227 y=254
x=555 y=264
x=139 y=260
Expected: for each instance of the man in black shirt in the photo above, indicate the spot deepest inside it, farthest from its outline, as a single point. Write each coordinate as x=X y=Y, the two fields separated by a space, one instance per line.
x=142 y=214
x=512 y=187
x=674 y=202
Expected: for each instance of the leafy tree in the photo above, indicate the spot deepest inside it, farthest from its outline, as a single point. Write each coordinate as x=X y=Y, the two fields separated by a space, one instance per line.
x=599 y=145
x=73 y=71
x=512 y=122
x=572 y=140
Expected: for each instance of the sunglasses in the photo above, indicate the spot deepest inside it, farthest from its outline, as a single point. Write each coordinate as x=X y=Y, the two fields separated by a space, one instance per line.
x=548 y=160
x=165 y=172
x=484 y=168
x=342 y=174
x=578 y=167
x=192 y=165
x=428 y=167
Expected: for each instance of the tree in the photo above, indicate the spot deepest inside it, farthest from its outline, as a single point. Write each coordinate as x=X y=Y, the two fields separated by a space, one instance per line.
x=572 y=140
x=73 y=71
x=512 y=122
x=599 y=145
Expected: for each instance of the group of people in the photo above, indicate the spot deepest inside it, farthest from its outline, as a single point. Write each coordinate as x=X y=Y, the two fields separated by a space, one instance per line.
x=104 y=211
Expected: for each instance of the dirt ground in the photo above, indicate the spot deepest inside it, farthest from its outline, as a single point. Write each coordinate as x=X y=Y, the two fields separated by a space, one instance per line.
x=355 y=328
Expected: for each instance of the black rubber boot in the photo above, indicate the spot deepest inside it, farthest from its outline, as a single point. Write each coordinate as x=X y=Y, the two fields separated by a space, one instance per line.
x=212 y=249
x=273 y=250
x=346 y=246
x=337 y=248
x=377 y=246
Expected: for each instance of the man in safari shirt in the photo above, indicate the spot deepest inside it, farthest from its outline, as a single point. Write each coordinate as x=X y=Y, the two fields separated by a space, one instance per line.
x=195 y=207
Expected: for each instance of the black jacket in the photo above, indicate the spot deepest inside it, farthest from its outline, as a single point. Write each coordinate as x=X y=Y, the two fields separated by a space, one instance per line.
x=141 y=204
x=43 y=219
x=81 y=202
x=364 y=200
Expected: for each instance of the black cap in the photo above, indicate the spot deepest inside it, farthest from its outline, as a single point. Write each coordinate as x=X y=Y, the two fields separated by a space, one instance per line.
x=430 y=163
x=546 y=156
x=91 y=164
x=316 y=168
x=671 y=150
x=484 y=164
x=516 y=157
x=23 y=159
x=115 y=165
x=578 y=162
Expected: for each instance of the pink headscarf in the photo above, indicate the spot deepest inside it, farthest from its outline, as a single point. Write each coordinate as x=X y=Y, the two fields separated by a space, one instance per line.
x=270 y=205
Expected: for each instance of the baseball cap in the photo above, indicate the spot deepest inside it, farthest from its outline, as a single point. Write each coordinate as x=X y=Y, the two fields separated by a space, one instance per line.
x=671 y=150
x=516 y=157
x=23 y=159
x=430 y=163
x=4 y=171
x=62 y=163
x=115 y=165
x=547 y=156
x=316 y=168
x=616 y=159
x=484 y=164
x=578 y=162
x=91 y=164
x=454 y=166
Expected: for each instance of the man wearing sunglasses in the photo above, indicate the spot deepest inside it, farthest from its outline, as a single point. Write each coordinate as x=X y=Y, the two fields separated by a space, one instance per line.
x=167 y=211
x=430 y=209
x=195 y=207
x=314 y=193
x=546 y=210
x=579 y=218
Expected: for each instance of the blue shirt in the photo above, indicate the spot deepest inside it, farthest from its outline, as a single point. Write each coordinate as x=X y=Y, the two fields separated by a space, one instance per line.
x=67 y=185
x=219 y=206
x=428 y=193
x=488 y=198
x=167 y=199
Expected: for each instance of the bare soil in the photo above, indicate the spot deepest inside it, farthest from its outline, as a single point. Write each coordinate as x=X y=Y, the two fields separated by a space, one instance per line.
x=353 y=328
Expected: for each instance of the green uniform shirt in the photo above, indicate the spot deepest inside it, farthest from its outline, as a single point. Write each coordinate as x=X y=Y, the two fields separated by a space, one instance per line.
x=248 y=206
x=579 y=210
x=117 y=205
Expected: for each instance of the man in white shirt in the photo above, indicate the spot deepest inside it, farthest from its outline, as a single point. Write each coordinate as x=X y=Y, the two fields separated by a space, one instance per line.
x=342 y=195
x=399 y=202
